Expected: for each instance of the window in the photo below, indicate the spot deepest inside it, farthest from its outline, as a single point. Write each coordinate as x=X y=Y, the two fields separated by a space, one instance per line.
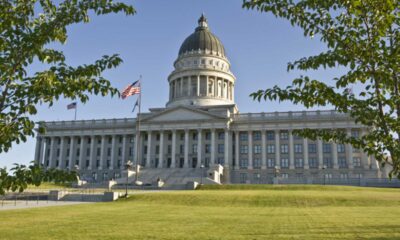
x=298 y=148
x=341 y=148
x=89 y=140
x=355 y=133
x=130 y=151
x=357 y=162
x=220 y=160
x=208 y=135
x=194 y=136
x=284 y=135
x=78 y=152
x=257 y=177
x=326 y=148
x=243 y=136
x=182 y=136
x=108 y=163
x=342 y=162
x=257 y=136
x=97 y=163
x=270 y=148
x=244 y=149
x=157 y=149
x=181 y=149
x=270 y=135
x=169 y=149
x=194 y=148
x=312 y=148
x=285 y=175
x=98 y=151
x=297 y=137
x=284 y=148
x=203 y=61
x=158 y=137
x=257 y=149
x=207 y=148
x=88 y=152
x=87 y=163
x=108 y=151
x=109 y=140
x=284 y=163
x=169 y=137
x=68 y=152
x=299 y=163
x=221 y=148
x=270 y=162
x=58 y=152
x=257 y=163
x=328 y=162
x=98 y=141
x=243 y=162
x=243 y=177
x=313 y=162
x=221 y=136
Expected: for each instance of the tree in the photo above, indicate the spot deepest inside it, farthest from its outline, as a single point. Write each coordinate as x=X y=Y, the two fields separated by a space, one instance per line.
x=363 y=37
x=22 y=176
x=27 y=28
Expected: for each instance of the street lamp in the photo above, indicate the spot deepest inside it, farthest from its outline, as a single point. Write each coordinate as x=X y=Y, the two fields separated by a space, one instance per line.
x=128 y=166
x=323 y=171
x=202 y=173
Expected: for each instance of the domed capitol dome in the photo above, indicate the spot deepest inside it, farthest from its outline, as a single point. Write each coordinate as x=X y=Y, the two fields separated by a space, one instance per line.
x=202 y=75
x=202 y=39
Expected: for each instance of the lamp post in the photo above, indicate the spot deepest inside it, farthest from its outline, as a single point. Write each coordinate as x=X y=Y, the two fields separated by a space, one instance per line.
x=202 y=173
x=128 y=166
x=323 y=171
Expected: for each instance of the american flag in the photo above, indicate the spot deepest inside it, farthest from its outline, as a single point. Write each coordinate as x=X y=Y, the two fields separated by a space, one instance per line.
x=131 y=89
x=71 y=106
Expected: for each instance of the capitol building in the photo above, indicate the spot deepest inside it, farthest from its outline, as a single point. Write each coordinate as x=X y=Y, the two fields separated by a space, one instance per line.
x=200 y=128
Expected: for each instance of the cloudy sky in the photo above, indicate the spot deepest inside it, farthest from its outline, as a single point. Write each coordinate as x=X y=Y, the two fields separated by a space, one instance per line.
x=258 y=45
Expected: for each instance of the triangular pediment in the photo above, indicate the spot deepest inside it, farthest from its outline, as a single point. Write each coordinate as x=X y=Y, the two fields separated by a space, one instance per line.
x=182 y=114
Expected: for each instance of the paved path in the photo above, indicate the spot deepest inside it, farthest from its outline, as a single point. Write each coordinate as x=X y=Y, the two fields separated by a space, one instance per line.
x=9 y=205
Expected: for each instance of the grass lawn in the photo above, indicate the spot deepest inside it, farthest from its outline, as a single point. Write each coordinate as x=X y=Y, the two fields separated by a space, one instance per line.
x=235 y=212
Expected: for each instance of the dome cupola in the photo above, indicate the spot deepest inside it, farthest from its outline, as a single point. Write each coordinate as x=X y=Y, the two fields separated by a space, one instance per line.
x=202 y=75
x=202 y=39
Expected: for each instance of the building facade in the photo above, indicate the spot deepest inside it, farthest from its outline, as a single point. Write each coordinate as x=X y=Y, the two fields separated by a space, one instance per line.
x=201 y=126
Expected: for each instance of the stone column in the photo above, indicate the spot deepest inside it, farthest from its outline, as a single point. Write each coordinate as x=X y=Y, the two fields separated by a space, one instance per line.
x=61 y=157
x=364 y=155
x=199 y=148
x=198 y=85
x=335 y=156
x=113 y=152
x=123 y=153
x=349 y=151
x=37 y=150
x=263 y=150
x=277 y=149
x=250 y=149
x=148 y=158
x=320 y=154
x=102 y=152
x=186 y=150
x=305 y=153
x=82 y=153
x=52 y=159
x=161 y=148
x=227 y=145
x=71 y=153
x=212 y=160
x=42 y=150
x=237 y=147
x=173 y=150
x=291 y=150
x=92 y=163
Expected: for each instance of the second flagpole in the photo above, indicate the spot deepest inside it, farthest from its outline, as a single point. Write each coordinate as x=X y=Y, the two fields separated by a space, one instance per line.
x=138 y=131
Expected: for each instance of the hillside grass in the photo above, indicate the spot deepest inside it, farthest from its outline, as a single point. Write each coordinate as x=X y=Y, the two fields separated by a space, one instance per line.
x=228 y=212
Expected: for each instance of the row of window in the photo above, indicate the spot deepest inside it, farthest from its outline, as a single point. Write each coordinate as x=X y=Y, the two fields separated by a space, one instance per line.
x=298 y=148
x=299 y=162
x=283 y=135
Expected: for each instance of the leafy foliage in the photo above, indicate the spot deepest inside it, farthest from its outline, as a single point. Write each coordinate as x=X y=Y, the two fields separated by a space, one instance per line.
x=22 y=176
x=362 y=36
x=27 y=29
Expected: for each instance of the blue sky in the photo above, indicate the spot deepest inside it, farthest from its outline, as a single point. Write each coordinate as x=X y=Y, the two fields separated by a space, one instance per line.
x=258 y=45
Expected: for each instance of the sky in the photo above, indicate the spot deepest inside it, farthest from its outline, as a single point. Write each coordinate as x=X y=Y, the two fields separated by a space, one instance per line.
x=258 y=45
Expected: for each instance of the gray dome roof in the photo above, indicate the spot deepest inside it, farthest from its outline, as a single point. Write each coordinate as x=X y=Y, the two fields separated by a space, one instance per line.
x=202 y=39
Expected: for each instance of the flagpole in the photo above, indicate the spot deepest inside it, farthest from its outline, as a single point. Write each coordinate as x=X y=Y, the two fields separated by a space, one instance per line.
x=76 y=108
x=138 y=130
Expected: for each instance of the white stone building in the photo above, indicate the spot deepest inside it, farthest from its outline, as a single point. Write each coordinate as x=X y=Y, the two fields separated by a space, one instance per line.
x=201 y=125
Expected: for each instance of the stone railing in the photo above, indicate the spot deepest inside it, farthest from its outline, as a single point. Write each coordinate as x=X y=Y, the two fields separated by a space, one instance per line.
x=90 y=124
x=299 y=115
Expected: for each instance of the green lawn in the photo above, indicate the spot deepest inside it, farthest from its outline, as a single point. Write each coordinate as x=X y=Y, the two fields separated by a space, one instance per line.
x=236 y=212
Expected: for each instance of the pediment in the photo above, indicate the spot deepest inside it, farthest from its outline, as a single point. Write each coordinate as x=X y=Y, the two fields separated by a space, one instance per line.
x=182 y=114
